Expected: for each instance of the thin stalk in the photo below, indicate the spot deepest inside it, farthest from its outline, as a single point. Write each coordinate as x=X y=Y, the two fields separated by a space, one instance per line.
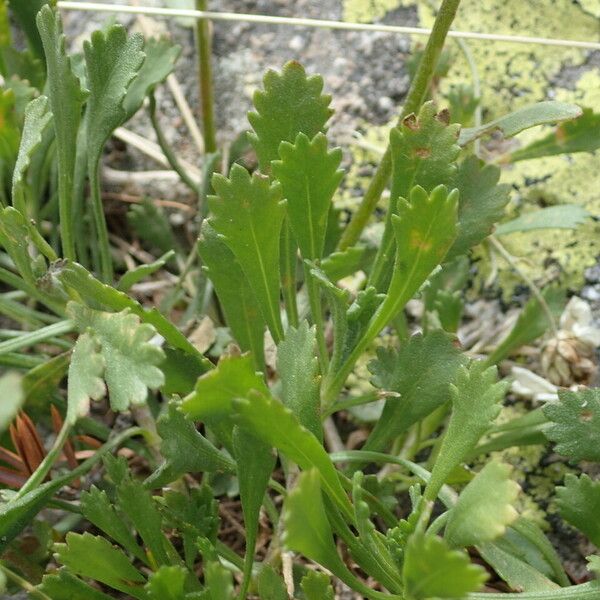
x=106 y=266
x=32 y=590
x=35 y=337
x=203 y=46
x=44 y=467
x=20 y=361
x=167 y=150
x=316 y=309
x=414 y=99
x=288 y=273
x=15 y=282
x=65 y=207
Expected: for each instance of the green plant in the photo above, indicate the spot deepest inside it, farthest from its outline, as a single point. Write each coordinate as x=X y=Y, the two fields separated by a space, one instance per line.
x=273 y=251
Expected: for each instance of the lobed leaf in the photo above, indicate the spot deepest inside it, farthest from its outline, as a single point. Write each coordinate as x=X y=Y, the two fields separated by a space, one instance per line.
x=168 y=583
x=509 y=125
x=575 y=424
x=316 y=586
x=309 y=176
x=64 y=586
x=290 y=103
x=579 y=504
x=129 y=357
x=484 y=508
x=248 y=213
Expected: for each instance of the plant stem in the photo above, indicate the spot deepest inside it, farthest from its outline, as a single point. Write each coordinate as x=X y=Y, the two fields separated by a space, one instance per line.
x=414 y=99
x=203 y=46
x=65 y=207
x=288 y=273
x=316 y=309
x=32 y=591
x=106 y=267
x=35 y=337
x=44 y=467
x=167 y=150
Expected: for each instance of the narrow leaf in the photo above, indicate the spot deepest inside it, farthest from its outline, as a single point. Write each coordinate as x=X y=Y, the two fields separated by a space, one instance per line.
x=136 y=275
x=563 y=216
x=579 y=504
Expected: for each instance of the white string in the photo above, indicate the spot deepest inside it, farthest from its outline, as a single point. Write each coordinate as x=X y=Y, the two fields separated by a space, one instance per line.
x=320 y=23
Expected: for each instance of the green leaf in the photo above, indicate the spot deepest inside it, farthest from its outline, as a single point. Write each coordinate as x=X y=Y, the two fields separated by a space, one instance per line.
x=66 y=102
x=509 y=125
x=218 y=581
x=424 y=151
x=233 y=377
x=481 y=203
x=10 y=133
x=167 y=583
x=316 y=586
x=185 y=449
x=15 y=237
x=291 y=103
x=531 y=323
x=580 y=135
x=85 y=377
x=476 y=401
x=309 y=176
x=64 y=586
x=341 y=264
x=575 y=426
x=420 y=373
x=151 y=224
x=181 y=372
x=136 y=275
x=101 y=512
x=563 y=216
x=432 y=570
x=300 y=380
x=484 y=507
x=94 y=557
x=270 y=585
x=579 y=504
x=37 y=119
x=299 y=445
x=161 y=56
x=594 y=564
x=129 y=357
x=255 y=463
x=248 y=213
x=13 y=396
x=25 y=13
x=239 y=304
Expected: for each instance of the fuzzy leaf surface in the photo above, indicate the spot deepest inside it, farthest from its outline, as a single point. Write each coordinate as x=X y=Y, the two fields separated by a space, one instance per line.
x=129 y=357
x=290 y=103
x=316 y=586
x=37 y=118
x=242 y=312
x=168 y=583
x=579 y=504
x=484 y=508
x=420 y=372
x=580 y=135
x=248 y=213
x=575 y=424
x=476 y=400
x=309 y=176
x=85 y=381
x=509 y=125
x=15 y=237
x=300 y=379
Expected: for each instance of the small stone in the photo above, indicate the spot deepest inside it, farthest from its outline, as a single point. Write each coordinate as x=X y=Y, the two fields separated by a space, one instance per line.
x=385 y=103
x=297 y=43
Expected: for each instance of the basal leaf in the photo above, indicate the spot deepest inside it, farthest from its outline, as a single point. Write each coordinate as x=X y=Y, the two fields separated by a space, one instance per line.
x=290 y=103
x=12 y=394
x=433 y=570
x=185 y=449
x=239 y=304
x=248 y=213
x=260 y=412
x=37 y=119
x=129 y=357
x=316 y=586
x=300 y=380
x=579 y=504
x=309 y=176
x=563 y=216
x=233 y=377
x=25 y=13
x=580 y=135
x=481 y=203
x=476 y=396
x=66 y=102
x=15 y=237
x=101 y=512
x=130 y=278
x=96 y=558
x=159 y=62
x=484 y=507
x=523 y=118
x=420 y=372
x=270 y=585
x=341 y=264
x=168 y=583
x=575 y=424
x=64 y=586
x=218 y=581
x=85 y=377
